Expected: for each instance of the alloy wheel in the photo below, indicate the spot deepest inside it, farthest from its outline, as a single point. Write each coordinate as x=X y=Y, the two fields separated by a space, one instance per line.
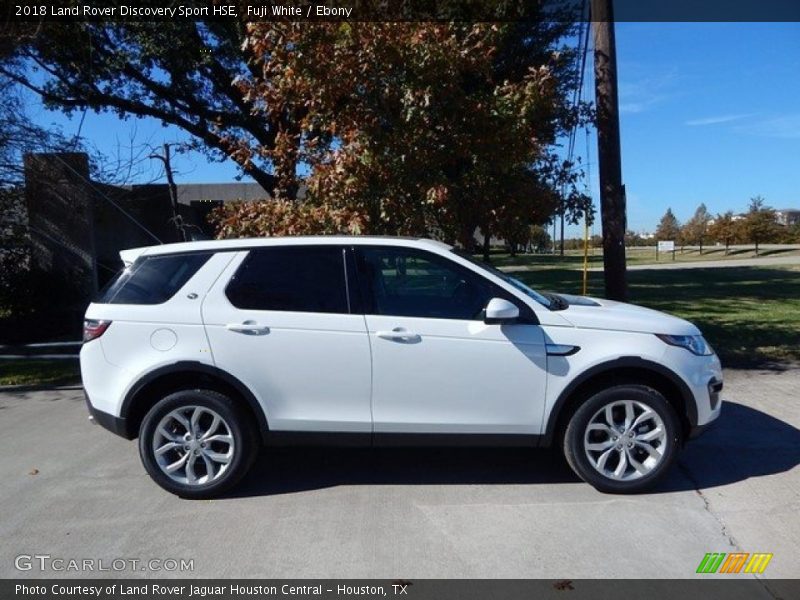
x=625 y=440
x=193 y=445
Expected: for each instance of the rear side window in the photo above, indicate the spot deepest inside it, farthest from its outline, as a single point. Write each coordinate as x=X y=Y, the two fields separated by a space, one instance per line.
x=153 y=279
x=298 y=278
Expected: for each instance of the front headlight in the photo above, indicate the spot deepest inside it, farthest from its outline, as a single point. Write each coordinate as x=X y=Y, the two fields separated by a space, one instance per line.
x=695 y=344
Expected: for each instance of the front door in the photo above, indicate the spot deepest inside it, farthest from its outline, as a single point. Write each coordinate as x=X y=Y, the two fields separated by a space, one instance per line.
x=436 y=366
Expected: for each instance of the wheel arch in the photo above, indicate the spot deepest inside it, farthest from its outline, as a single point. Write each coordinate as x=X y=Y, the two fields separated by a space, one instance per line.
x=630 y=370
x=185 y=375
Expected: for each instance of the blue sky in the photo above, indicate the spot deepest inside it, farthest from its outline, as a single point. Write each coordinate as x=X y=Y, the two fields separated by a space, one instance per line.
x=710 y=112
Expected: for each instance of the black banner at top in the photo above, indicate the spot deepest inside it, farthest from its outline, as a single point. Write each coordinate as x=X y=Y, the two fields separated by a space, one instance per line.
x=398 y=10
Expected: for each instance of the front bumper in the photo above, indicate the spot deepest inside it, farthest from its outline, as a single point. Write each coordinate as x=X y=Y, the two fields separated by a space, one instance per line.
x=699 y=430
x=714 y=391
x=702 y=375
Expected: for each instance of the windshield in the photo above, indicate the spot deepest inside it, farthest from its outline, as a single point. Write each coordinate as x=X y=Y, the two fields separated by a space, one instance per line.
x=531 y=293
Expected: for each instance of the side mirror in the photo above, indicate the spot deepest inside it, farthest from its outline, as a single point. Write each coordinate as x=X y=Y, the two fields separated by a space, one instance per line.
x=500 y=311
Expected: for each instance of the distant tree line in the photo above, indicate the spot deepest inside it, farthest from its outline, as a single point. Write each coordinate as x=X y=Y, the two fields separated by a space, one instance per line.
x=759 y=225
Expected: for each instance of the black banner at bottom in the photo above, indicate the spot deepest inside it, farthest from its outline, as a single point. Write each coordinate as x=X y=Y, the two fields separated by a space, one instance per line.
x=733 y=588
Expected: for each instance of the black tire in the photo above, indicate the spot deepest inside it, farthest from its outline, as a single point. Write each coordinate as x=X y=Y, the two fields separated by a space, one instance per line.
x=577 y=455
x=242 y=430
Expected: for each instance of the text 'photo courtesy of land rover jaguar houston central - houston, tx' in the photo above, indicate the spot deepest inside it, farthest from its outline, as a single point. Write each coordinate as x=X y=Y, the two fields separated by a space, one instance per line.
x=206 y=351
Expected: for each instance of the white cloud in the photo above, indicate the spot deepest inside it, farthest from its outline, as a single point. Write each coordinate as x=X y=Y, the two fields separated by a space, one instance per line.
x=639 y=95
x=716 y=120
x=632 y=107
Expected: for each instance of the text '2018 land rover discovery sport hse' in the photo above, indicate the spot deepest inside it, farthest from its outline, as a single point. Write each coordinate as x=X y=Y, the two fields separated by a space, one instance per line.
x=207 y=350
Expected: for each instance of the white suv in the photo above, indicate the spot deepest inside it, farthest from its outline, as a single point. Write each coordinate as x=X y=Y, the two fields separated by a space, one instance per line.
x=206 y=350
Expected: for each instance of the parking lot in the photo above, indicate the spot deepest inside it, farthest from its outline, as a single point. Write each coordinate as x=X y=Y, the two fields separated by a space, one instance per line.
x=73 y=490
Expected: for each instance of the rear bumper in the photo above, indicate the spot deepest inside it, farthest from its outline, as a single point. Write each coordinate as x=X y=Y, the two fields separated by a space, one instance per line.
x=114 y=424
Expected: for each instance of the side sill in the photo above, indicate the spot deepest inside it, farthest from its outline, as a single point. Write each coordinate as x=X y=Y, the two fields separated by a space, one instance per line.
x=394 y=440
x=318 y=438
x=469 y=440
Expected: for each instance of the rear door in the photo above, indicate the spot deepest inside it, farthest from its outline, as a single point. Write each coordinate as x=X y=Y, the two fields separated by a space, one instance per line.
x=280 y=319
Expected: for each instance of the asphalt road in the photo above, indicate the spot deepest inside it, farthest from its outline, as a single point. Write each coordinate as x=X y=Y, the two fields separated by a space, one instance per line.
x=72 y=490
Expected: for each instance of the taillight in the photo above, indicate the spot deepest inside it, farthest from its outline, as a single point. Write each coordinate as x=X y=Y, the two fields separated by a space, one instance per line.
x=93 y=329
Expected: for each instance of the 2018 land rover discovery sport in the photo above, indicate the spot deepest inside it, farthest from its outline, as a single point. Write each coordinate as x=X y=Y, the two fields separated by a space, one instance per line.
x=207 y=350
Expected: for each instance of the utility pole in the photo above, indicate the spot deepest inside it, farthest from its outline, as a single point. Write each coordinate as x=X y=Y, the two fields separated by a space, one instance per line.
x=173 y=190
x=612 y=192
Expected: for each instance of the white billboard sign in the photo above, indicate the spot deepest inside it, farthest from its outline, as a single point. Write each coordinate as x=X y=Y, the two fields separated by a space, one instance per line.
x=666 y=246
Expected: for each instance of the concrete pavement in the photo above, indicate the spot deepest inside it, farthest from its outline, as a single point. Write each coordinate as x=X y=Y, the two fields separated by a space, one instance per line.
x=72 y=490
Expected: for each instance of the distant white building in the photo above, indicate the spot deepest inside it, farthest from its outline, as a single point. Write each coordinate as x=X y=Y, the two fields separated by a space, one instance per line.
x=788 y=216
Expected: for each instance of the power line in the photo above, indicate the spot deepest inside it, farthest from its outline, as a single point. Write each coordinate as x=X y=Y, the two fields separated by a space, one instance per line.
x=577 y=96
x=583 y=51
x=70 y=248
x=587 y=127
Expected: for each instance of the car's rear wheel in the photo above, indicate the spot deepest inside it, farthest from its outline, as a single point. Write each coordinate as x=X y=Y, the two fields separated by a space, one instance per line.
x=623 y=439
x=196 y=443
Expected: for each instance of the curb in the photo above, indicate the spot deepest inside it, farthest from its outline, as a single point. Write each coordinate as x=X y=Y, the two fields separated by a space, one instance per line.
x=57 y=387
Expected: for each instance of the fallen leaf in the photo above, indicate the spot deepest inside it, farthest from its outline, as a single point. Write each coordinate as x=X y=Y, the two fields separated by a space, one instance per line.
x=564 y=584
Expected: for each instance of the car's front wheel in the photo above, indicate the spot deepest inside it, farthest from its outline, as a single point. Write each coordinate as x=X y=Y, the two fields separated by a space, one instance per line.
x=623 y=439
x=196 y=443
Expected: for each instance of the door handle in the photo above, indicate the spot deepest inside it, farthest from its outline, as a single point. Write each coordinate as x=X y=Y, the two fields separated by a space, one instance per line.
x=399 y=334
x=249 y=327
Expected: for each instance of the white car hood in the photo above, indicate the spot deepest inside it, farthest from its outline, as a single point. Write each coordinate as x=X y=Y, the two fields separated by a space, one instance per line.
x=598 y=313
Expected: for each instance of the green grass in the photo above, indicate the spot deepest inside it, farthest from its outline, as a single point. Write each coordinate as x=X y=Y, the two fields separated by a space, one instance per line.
x=751 y=315
x=39 y=372
x=635 y=256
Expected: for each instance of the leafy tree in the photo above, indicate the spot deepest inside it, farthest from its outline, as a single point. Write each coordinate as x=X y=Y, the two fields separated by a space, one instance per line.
x=284 y=217
x=539 y=239
x=669 y=229
x=422 y=128
x=759 y=224
x=438 y=131
x=695 y=230
x=633 y=238
x=15 y=252
x=725 y=229
x=182 y=72
x=791 y=234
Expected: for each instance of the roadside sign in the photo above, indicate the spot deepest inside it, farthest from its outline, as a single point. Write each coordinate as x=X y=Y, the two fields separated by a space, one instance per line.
x=666 y=246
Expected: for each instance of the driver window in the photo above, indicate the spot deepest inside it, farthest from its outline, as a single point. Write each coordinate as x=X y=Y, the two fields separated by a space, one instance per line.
x=411 y=283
